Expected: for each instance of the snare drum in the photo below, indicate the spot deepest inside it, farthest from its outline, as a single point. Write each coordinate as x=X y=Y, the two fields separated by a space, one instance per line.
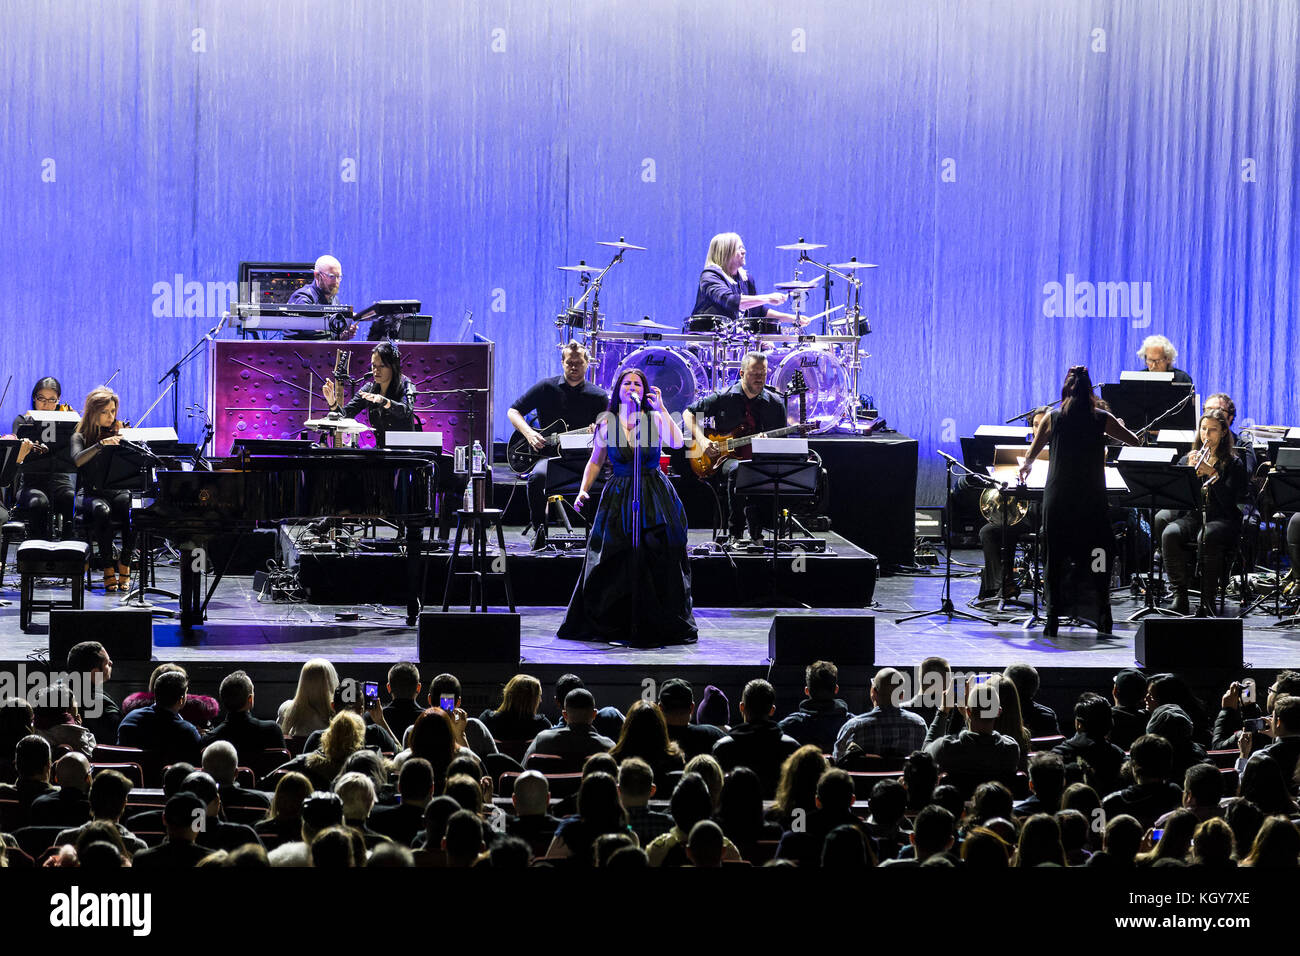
x=828 y=384
x=677 y=373
x=707 y=325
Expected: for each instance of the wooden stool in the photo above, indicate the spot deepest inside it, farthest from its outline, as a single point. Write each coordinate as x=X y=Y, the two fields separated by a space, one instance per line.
x=50 y=559
x=480 y=568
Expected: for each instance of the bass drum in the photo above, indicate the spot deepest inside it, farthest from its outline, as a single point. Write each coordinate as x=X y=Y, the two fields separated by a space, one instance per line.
x=828 y=384
x=679 y=374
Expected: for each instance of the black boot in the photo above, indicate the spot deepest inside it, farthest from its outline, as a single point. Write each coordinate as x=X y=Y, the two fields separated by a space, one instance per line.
x=1052 y=626
x=1181 y=604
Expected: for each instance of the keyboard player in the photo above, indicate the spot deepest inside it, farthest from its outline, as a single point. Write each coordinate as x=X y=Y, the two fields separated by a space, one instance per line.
x=388 y=399
x=327 y=275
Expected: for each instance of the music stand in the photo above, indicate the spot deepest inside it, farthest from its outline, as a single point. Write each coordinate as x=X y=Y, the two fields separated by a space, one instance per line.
x=1156 y=483
x=1145 y=396
x=777 y=475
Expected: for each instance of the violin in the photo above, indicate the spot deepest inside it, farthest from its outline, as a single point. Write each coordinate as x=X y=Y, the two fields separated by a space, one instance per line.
x=64 y=407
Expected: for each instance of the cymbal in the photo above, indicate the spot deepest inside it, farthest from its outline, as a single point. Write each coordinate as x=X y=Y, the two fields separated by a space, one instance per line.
x=802 y=246
x=800 y=285
x=580 y=267
x=646 y=323
x=621 y=244
x=853 y=264
x=337 y=424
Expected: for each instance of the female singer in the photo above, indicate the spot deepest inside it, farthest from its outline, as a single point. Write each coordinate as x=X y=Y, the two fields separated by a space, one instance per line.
x=389 y=400
x=1076 y=519
x=727 y=290
x=46 y=471
x=102 y=507
x=1223 y=476
x=640 y=596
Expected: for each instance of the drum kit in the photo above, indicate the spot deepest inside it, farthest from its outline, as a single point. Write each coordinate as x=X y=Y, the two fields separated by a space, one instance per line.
x=709 y=351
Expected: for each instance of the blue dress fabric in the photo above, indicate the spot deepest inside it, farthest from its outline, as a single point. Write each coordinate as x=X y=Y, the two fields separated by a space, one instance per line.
x=640 y=597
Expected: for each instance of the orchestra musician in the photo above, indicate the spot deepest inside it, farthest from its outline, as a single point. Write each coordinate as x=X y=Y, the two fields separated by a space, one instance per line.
x=1223 y=476
x=726 y=289
x=746 y=408
x=1076 y=514
x=46 y=478
x=567 y=398
x=635 y=585
x=98 y=430
x=1159 y=355
x=999 y=544
x=327 y=274
x=388 y=399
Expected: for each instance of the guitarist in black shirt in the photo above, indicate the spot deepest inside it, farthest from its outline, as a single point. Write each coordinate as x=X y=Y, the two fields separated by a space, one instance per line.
x=747 y=407
x=564 y=403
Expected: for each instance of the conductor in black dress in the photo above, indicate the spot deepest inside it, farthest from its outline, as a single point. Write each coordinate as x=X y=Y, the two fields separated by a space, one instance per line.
x=1076 y=519
x=567 y=398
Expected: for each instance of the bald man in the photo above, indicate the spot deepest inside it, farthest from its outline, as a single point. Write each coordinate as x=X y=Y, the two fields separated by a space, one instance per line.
x=324 y=288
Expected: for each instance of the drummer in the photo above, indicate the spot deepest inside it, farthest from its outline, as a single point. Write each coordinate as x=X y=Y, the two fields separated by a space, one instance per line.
x=727 y=289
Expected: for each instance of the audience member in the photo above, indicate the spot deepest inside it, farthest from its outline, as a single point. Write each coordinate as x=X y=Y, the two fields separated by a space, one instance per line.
x=690 y=803
x=677 y=704
x=920 y=777
x=68 y=806
x=1153 y=793
x=599 y=811
x=32 y=765
x=740 y=813
x=283 y=823
x=758 y=743
x=886 y=730
x=249 y=735
x=357 y=791
x=1261 y=783
x=803 y=842
x=1093 y=723
x=1172 y=689
x=979 y=752
x=705 y=844
x=221 y=762
x=516 y=717
x=312 y=705
x=56 y=717
x=93 y=667
x=1202 y=793
x=199 y=710
x=217 y=833
x=645 y=735
x=403 y=689
x=1120 y=845
x=608 y=721
x=345 y=735
x=1285 y=748
x=403 y=820
x=797 y=789
x=1174 y=841
x=1040 y=842
x=934 y=832
x=1046 y=784
x=1212 y=845
x=1040 y=719
x=108 y=794
x=181 y=847
x=707 y=767
x=636 y=785
x=476 y=735
x=159 y=728
x=714 y=709
x=320 y=811
x=1276 y=847
x=1172 y=723
x=1129 y=692
x=574 y=738
x=820 y=715
x=532 y=821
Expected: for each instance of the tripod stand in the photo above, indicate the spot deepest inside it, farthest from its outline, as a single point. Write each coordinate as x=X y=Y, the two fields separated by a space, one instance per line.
x=946 y=607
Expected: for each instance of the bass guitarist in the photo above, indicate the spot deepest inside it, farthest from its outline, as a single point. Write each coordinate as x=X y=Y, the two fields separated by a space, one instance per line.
x=746 y=408
x=563 y=403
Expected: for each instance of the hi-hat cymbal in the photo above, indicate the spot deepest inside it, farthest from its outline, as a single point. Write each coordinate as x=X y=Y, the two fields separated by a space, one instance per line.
x=580 y=267
x=853 y=264
x=337 y=424
x=799 y=285
x=802 y=246
x=645 y=324
x=621 y=244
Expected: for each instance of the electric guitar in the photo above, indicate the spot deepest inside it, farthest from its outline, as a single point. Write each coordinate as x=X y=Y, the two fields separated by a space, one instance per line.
x=736 y=444
x=522 y=456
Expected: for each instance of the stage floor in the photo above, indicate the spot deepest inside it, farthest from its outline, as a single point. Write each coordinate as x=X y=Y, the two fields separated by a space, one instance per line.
x=242 y=629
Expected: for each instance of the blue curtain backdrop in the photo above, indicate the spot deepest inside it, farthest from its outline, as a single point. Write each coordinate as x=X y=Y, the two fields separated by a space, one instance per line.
x=457 y=152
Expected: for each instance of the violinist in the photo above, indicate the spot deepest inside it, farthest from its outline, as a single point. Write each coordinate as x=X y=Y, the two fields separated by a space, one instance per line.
x=99 y=429
x=46 y=472
x=1223 y=477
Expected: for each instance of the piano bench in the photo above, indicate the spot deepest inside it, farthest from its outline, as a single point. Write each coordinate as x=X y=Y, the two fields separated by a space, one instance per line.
x=50 y=559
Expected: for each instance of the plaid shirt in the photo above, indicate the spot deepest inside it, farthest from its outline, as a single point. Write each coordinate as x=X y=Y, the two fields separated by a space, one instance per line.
x=890 y=733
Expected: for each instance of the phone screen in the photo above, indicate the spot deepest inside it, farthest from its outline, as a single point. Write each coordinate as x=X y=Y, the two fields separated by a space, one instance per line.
x=1247 y=691
x=1157 y=834
x=447 y=703
x=371 y=690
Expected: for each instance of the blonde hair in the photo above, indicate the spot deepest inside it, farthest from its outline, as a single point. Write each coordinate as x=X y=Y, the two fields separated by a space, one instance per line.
x=521 y=697
x=98 y=400
x=721 y=248
x=313 y=701
x=345 y=735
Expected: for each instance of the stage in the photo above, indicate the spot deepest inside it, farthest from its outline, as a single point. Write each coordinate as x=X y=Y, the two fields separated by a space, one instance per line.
x=271 y=640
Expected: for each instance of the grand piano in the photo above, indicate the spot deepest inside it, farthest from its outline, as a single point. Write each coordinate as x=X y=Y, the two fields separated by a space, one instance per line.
x=242 y=493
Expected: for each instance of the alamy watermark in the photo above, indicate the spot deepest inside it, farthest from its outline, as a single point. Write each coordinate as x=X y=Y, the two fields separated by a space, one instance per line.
x=55 y=688
x=1081 y=299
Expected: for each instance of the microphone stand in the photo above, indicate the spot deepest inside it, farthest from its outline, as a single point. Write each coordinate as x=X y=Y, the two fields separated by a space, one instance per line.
x=1146 y=429
x=174 y=373
x=946 y=606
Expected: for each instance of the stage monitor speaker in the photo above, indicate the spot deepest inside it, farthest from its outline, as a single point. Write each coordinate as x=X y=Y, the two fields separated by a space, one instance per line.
x=127 y=635
x=463 y=637
x=844 y=639
x=1189 y=643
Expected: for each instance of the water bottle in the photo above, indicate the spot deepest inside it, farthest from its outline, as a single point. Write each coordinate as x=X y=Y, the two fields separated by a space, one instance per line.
x=476 y=459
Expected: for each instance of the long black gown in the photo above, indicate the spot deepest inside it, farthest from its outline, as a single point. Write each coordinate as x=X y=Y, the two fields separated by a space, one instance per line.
x=1076 y=518
x=639 y=597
